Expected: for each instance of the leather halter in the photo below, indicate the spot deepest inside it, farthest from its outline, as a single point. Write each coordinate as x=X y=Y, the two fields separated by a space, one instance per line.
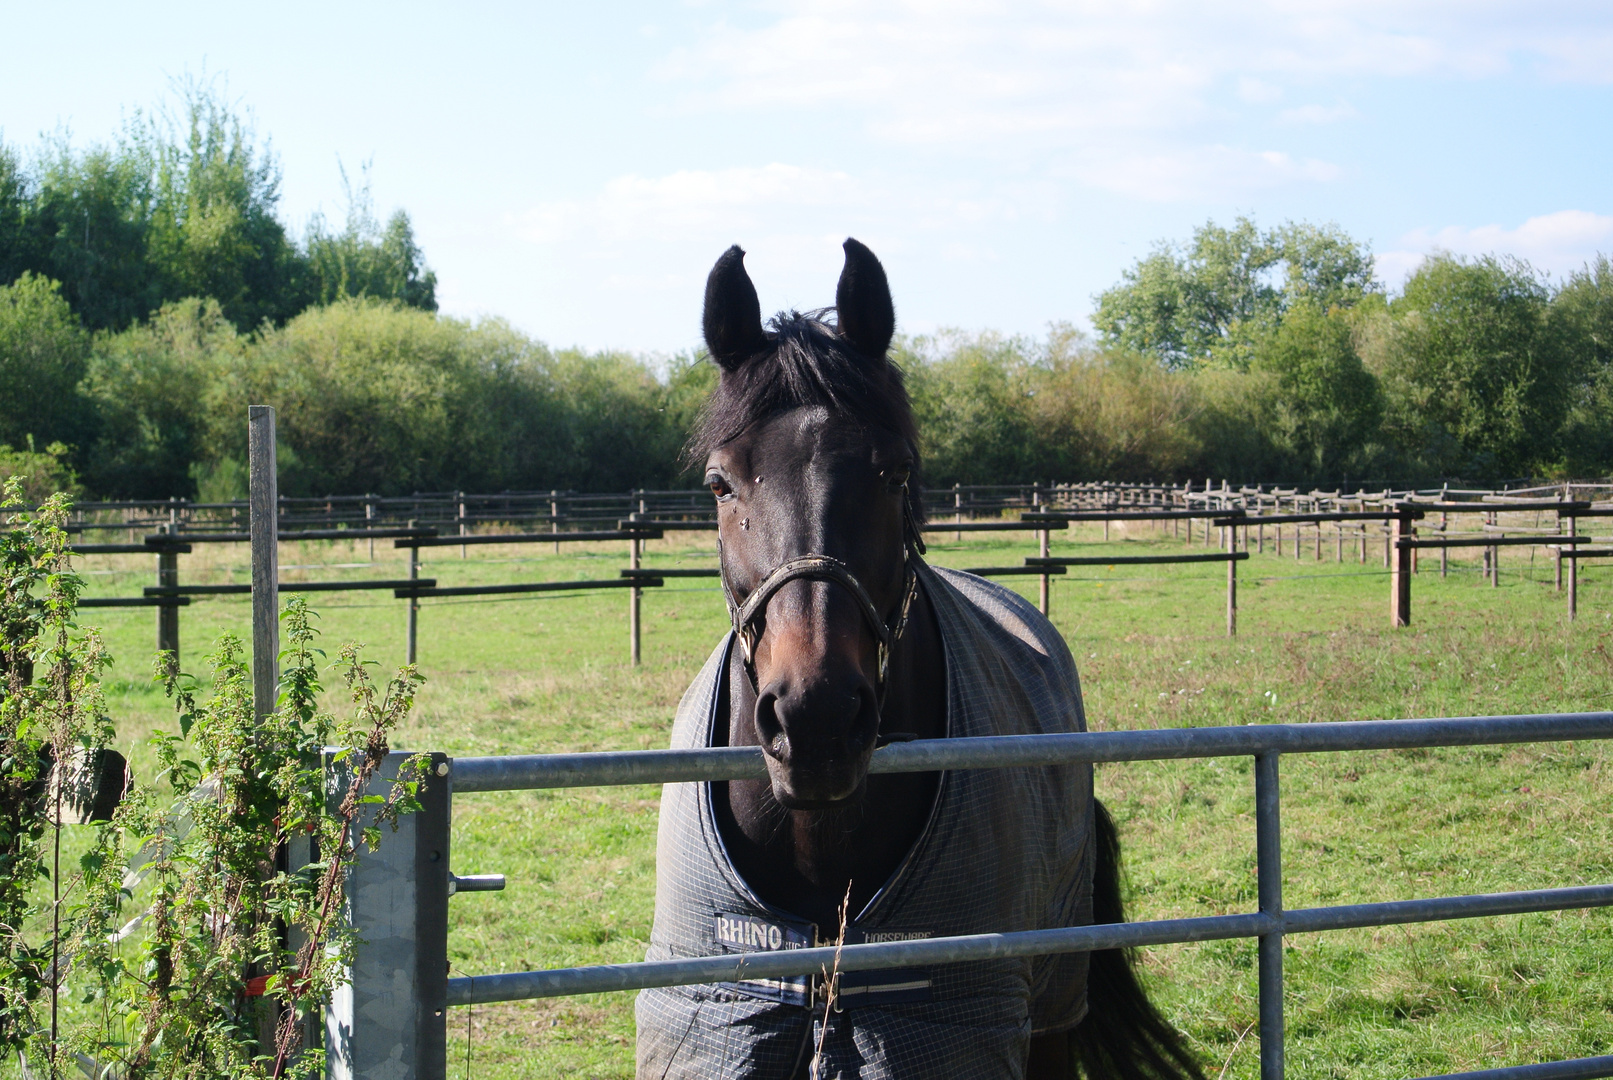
x=746 y=617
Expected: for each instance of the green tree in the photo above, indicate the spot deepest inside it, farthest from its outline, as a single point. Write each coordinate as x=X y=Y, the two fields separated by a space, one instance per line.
x=1582 y=328
x=165 y=391
x=214 y=230
x=88 y=226
x=1325 y=407
x=43 y=353
x=1475 y=384
x=1209 y=302
x=365 y=259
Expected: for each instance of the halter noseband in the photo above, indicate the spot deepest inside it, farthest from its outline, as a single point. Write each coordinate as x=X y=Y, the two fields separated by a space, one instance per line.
x=747 y=616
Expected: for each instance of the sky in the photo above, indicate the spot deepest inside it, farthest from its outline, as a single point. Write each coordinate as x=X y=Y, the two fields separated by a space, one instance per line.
x=577 y=168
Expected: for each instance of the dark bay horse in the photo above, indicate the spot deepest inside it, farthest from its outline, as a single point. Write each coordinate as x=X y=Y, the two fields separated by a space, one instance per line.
x=844 y=639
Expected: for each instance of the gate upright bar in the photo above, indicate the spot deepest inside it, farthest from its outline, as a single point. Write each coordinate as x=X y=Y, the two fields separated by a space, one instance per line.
x=1269 y=870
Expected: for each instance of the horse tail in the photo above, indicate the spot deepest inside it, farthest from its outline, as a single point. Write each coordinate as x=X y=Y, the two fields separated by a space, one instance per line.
x=1123 y=1036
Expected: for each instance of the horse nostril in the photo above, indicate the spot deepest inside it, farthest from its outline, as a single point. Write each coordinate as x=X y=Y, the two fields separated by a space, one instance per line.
x=768 y=726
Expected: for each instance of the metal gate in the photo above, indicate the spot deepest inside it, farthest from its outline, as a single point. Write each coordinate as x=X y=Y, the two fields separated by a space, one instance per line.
x=390 y=1022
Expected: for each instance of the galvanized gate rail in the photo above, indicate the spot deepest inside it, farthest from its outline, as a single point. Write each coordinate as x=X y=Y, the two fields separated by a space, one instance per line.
x=1269 y=924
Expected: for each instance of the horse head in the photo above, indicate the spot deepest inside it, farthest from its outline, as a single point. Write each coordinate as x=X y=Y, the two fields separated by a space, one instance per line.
x=810 y=448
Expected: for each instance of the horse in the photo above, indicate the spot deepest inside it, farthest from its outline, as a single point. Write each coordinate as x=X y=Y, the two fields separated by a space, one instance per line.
x=844 y=639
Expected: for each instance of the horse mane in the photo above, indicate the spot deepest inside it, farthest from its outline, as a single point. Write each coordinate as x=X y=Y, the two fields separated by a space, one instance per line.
x=807 y=364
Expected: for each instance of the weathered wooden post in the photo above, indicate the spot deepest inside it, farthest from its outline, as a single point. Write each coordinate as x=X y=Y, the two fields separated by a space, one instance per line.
x=634 y=601
x=1400 y=572
x=414 y=604
x=1043 y=539
x=1232 y=582
x=369 y=521
x=263 y=527
x=168 y=609
x=460 y=495
x=1444 y=553
x=1573 y=571
x=554 y=516
x=263 y=530
x=957 y=509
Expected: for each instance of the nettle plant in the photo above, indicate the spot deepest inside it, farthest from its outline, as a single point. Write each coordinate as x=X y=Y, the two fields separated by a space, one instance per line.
x=205 y=925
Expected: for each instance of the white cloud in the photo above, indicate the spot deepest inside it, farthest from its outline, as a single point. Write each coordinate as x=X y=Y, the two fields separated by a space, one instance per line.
x=1112 y=85
x=1559 y=243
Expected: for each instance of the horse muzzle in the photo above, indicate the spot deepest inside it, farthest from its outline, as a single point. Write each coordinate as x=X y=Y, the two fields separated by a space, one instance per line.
x=817 y=740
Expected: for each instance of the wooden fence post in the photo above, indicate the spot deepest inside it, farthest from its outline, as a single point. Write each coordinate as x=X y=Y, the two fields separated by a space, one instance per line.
x=168 y=613
x=263 y=526
x=1444 y=553
x=411 y=650
x=634 y=597
x=1232 y=583
x=1043 y=539
x=1573 y=572
x=460 y=495
x=1400 y=572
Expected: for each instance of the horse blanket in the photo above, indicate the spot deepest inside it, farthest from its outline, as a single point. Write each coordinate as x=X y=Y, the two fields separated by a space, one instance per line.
x=1004 y=850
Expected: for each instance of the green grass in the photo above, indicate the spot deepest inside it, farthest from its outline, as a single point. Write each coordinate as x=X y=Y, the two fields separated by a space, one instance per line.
x=549 y=674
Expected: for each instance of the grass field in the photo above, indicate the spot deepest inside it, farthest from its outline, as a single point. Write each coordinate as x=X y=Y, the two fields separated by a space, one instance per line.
x=550 y=674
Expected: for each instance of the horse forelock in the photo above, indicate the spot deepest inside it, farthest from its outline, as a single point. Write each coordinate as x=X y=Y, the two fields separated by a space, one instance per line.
x=808 y=364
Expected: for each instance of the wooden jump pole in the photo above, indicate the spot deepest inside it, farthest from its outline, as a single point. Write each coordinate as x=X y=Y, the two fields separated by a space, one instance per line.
x=263 y=525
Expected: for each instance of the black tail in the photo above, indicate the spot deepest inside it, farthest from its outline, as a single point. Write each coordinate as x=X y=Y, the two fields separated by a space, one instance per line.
x=1123 y=1036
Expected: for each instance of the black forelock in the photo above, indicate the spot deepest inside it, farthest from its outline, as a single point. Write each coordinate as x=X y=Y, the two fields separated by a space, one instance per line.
x=807 y=364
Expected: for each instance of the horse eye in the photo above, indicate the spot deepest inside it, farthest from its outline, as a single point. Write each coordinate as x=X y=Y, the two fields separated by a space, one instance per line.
x=719 y=487
x=898 y=477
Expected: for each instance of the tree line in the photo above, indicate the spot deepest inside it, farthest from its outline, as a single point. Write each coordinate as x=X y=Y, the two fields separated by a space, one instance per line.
x=149 y=289
x=1294 y=364
x=185 y=202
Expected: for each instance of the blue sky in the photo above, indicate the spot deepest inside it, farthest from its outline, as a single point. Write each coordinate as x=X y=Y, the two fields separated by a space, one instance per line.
x=577 y=168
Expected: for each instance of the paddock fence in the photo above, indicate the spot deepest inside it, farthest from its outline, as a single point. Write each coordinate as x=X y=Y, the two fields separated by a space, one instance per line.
x=1235 y=523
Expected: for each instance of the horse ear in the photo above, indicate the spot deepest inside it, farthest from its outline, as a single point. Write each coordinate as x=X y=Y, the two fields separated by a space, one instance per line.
x=863 y=299
x=733 y=317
